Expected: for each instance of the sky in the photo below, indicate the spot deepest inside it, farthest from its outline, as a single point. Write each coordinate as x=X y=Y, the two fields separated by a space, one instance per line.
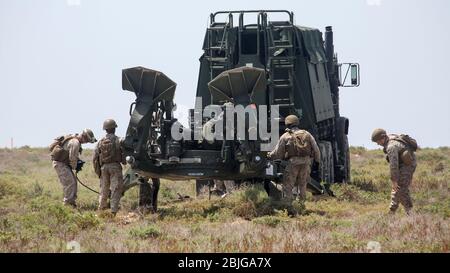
x=61 y=61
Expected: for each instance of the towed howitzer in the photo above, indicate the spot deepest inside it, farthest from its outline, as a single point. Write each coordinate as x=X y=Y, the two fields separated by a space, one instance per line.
x=285 y=68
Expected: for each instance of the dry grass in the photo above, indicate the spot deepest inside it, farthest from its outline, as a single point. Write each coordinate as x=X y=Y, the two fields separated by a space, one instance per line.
x=32 y=218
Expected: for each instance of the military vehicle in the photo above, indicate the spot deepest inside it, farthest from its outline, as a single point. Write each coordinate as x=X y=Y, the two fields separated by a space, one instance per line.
x=270 y=63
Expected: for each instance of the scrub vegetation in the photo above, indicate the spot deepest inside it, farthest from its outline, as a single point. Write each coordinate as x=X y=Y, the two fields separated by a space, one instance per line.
x=33 y=219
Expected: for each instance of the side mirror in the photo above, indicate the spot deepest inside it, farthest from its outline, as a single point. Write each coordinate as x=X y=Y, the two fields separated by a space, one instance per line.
x=349 y=81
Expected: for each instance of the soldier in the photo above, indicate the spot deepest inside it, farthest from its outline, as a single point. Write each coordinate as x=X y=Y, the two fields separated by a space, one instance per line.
x=297 y=147
x=108 y=156
x=65 y=152
x=402 y=164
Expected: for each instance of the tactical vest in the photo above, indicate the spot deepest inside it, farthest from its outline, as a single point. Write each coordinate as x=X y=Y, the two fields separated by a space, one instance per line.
x=298 y=145
x=109 y=150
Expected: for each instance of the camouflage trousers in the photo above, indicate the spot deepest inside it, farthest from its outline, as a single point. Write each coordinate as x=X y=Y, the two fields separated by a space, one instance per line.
x=401 y=195
x=296 y=174
x=111 y=185
x=68 y=181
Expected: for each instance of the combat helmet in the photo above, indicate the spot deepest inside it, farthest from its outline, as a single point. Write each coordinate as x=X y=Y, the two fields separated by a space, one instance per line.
x=89 y=135
x=378 y=134
x=292 y=120
x=109 y=124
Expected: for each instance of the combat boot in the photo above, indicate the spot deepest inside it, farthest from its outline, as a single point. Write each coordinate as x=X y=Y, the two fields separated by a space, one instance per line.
x=409 y=211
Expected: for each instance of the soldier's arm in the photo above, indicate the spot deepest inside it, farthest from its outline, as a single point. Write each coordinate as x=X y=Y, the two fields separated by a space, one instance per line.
x=280 y=150
x=392 y=153
x=96 y=156
x=96 y=160
x=315 y=148
x=96 y=153
x=74 y=152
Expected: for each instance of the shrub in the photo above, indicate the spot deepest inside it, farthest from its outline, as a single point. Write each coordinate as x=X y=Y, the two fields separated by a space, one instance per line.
x=150 y=231
x=86 y=220
x=271 y=221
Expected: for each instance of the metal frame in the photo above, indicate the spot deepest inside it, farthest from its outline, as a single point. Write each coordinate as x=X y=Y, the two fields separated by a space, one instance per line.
x=342 y=82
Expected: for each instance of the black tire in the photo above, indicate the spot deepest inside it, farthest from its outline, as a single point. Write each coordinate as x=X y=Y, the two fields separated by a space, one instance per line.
x=347 y=165
x=342 y=172
x=327 y=162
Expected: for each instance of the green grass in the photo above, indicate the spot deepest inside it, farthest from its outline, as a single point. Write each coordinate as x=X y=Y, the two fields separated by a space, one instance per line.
x=33 y=219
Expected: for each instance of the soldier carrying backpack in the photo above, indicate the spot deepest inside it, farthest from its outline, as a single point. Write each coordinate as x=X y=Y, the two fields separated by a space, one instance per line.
x=65 y=152
x=400 y=153
x=298 y=147
x=108 y=156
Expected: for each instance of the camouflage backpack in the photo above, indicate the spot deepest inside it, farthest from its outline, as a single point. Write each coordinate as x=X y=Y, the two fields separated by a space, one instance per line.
x=57 y=151
x=410 y=142
x=109 y=150
x=406 y=155
x=301 y=144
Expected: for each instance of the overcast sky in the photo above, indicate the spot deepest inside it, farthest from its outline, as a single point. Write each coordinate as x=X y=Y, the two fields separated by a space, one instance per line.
x=61 y=61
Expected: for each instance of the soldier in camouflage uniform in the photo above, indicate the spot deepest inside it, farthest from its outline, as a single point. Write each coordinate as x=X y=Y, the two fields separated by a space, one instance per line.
x=298 y=169
x=66 y=159
x=108 y=156
x=401 y=168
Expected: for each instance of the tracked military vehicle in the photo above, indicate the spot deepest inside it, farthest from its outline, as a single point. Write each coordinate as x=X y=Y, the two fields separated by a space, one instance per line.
x=270 y=63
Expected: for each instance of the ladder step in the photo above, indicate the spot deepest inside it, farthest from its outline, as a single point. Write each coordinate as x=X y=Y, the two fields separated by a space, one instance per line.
x=281 y=47
x=281 y=81
x=218 y=28
x=217 y=48
x=285 y=105
x=285 y=100
x=217 y=59
x=282 y=85
x=283 y=66
x=283 y=58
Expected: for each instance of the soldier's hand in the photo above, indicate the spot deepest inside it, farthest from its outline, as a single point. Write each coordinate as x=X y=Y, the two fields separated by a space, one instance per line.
x=80 y=164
